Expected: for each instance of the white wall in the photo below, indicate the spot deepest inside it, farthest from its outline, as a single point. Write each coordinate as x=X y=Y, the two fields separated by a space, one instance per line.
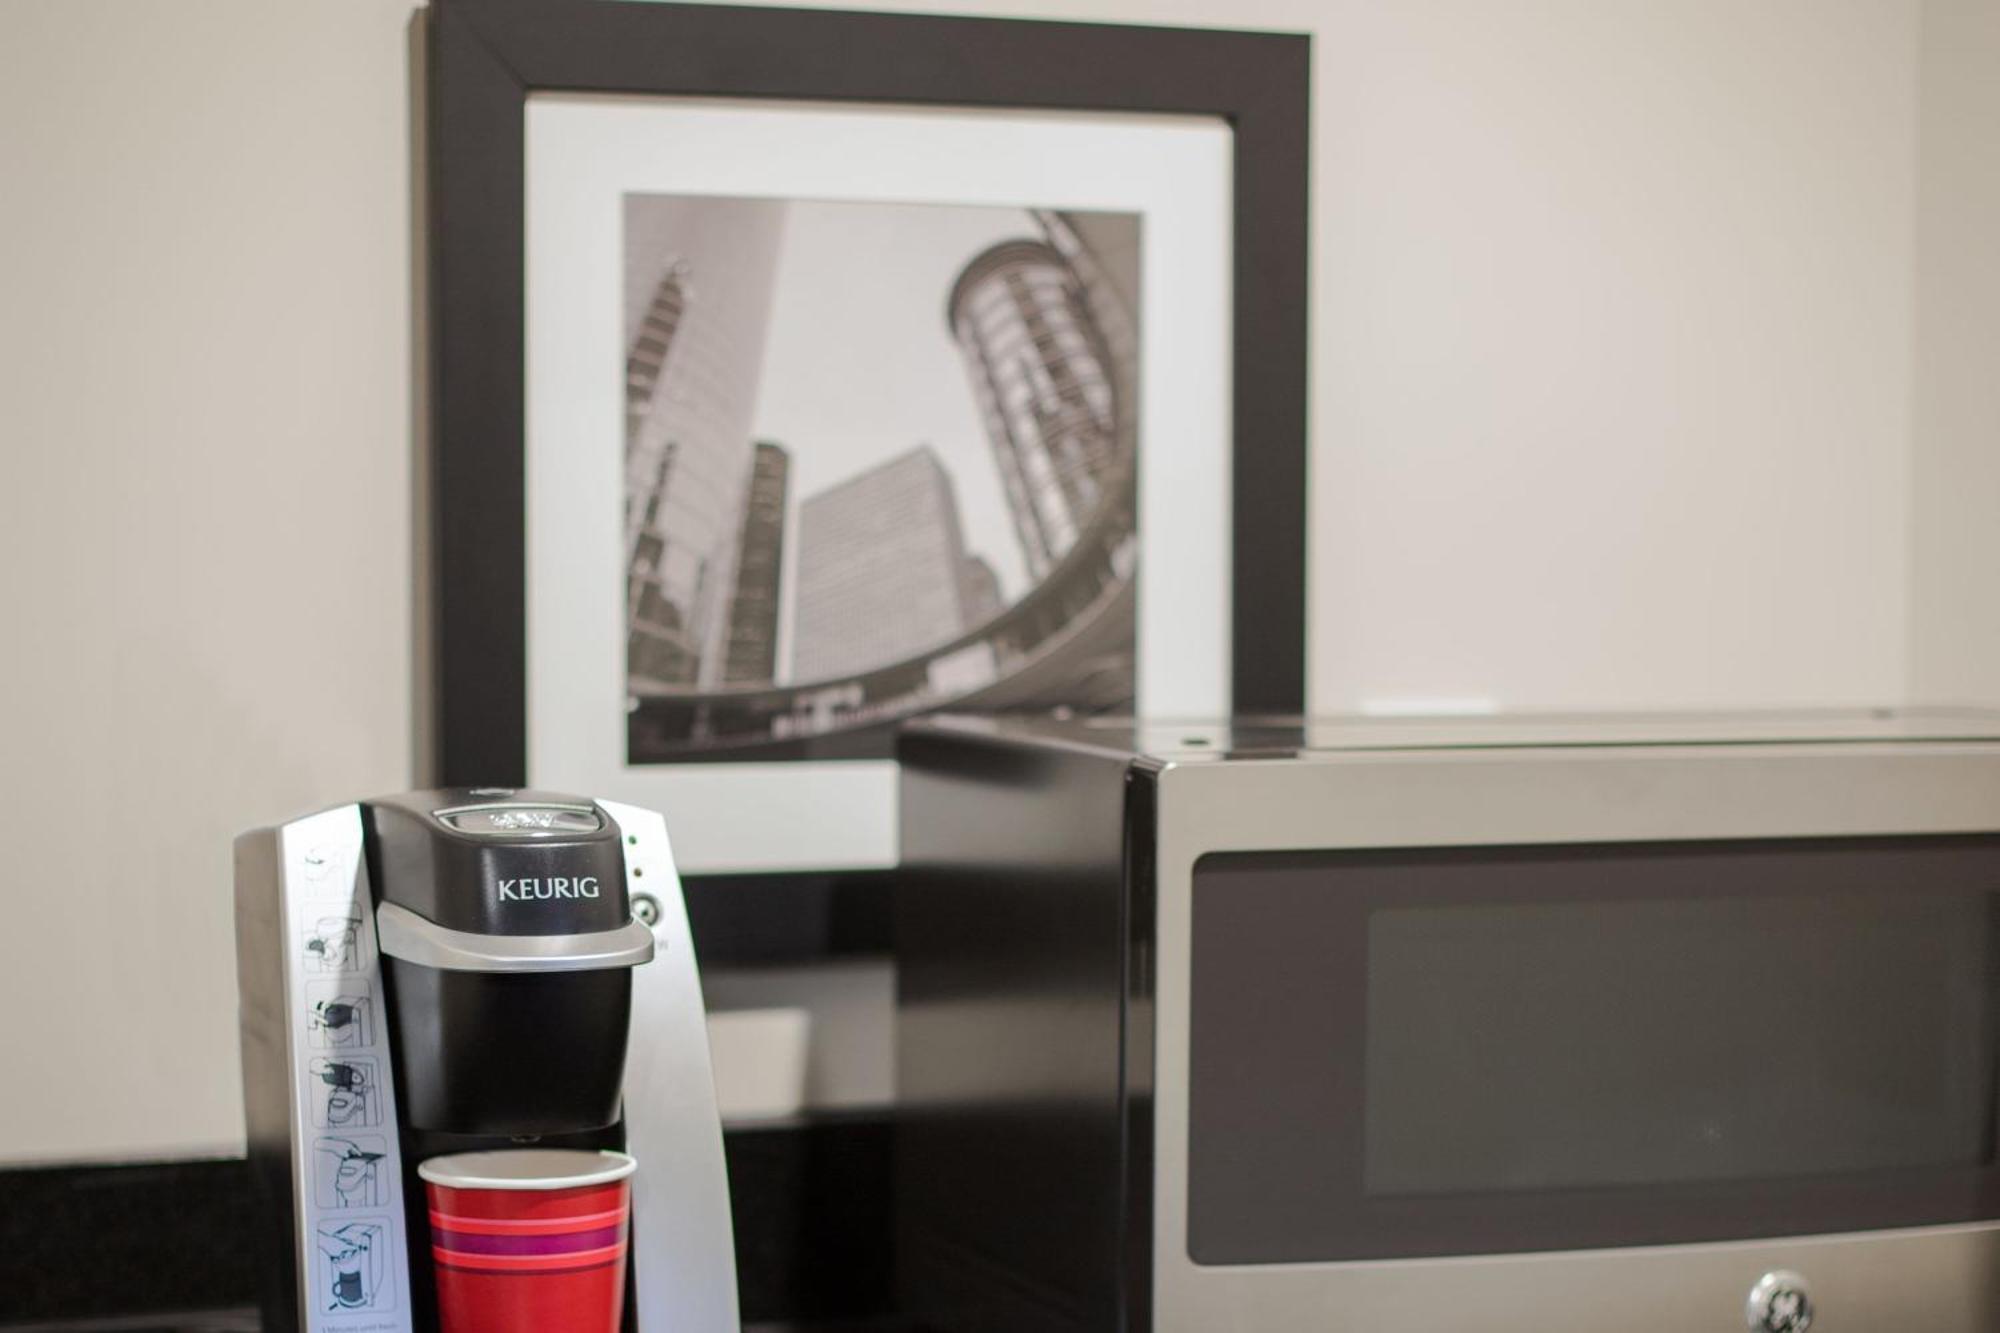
x=1614 y=308
x=205 y=341
x=1956 y=606
x=1613 y=405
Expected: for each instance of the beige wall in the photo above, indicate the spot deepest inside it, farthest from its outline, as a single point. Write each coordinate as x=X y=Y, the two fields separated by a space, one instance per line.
x=1613 y=373
x=1955 y=618
x=206 y=350
x=1614 y=315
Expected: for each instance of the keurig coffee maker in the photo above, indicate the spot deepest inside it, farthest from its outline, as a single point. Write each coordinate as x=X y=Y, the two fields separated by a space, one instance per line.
x=454 y=971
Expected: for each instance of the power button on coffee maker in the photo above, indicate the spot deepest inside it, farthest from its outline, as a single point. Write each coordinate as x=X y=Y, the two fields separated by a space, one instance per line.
x=1781 y=1302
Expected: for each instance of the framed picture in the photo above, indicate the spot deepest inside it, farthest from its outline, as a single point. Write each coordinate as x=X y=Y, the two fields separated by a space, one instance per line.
x=796 y=372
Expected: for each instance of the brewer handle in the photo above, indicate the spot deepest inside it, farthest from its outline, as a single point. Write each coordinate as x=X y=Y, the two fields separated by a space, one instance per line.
x=417 y=939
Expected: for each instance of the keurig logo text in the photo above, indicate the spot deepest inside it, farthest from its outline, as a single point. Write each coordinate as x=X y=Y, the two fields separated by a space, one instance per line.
x=556 y=886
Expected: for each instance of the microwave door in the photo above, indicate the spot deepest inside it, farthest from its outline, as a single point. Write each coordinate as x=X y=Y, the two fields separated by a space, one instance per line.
x=1478 y=1051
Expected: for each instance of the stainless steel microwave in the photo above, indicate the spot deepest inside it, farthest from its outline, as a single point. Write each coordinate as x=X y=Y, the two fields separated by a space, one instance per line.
x=1667 y=1024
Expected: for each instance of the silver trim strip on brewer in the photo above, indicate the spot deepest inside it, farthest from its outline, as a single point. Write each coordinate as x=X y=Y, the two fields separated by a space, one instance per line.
x=416 y=939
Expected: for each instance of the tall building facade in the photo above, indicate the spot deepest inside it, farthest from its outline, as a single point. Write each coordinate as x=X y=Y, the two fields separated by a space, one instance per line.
x=881 y=569
x=1042 y=373
x=699 y=279
x=650 y=343
x=982 y=596
x=1103 y=251
x=760 y=568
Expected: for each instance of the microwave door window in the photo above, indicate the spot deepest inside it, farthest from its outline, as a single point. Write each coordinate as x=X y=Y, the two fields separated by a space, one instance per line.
x=1490 y=1050
x=1540 y=1046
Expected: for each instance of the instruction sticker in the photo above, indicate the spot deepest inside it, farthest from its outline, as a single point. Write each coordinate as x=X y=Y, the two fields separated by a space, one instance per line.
x=348 y=1175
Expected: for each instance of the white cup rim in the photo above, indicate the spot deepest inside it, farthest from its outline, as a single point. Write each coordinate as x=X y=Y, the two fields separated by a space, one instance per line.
x=527 y=1169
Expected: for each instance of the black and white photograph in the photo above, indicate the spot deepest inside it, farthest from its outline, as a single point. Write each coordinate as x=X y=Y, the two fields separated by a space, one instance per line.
x=880 y=458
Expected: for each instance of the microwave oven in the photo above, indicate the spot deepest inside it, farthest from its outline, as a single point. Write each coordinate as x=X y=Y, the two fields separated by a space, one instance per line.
x=1646 y=1024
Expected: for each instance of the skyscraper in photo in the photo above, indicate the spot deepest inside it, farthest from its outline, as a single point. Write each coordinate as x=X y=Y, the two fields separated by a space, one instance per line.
x=699 y=279
x=646 y=362
x=1041 y=370
x=760 y=568
x=881 y=569
x=982 y=596
x=1103 y=251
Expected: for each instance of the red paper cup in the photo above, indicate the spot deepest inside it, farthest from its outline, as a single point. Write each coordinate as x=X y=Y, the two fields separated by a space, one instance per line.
x=530 y=1240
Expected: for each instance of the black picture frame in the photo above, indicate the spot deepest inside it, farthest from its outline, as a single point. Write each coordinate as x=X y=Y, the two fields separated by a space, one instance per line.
x=486 y=57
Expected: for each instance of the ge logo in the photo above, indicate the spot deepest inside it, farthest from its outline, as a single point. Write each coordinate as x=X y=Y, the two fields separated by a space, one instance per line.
x=1790 y=1312
x=1780 y=1303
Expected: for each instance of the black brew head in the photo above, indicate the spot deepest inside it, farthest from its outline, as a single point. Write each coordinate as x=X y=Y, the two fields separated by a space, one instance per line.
x=508 y=943
x=486 y=863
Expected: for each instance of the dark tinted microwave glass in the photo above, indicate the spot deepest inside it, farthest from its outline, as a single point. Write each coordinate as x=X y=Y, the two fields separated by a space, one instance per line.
x=1486 y=1050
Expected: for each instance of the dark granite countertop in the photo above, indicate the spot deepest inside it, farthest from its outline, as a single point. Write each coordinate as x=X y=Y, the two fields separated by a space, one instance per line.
x=187 y=1321
x=245 y=1321
x=810 y=1204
